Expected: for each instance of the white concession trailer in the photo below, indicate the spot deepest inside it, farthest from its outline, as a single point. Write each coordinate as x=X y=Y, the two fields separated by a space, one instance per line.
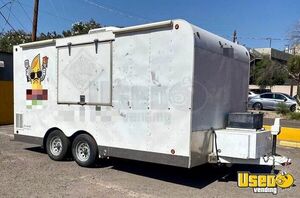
x=159 y=92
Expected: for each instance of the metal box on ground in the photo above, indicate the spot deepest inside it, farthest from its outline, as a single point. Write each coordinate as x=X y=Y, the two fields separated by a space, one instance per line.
x=243 y=143
x=246 y=120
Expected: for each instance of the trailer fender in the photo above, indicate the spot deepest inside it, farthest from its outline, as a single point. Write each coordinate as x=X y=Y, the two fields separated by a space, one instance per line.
x=72 y=137
x=47 y=134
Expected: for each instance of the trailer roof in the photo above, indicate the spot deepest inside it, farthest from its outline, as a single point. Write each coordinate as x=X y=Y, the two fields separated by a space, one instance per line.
x=208 y=40
x=135 y=28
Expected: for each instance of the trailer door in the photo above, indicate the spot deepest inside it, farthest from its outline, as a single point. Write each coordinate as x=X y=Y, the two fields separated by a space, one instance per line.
x=84 y=73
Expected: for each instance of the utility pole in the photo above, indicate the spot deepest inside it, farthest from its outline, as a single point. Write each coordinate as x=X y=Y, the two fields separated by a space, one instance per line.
x=35 y=19
x=234 y=38
x=270 y=42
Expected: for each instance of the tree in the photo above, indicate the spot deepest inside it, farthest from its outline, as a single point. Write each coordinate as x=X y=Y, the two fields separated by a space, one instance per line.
x=293 y=68
x=11 y=38
x=294 y=34
x=268 y=73
x=49 y=35
x=81 y=28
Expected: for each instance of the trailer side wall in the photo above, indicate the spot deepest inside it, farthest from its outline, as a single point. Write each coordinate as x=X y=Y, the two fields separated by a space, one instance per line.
x=221 y=74
x=150 y=112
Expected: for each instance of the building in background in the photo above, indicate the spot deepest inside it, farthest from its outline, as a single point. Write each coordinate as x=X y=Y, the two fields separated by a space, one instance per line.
x=281 y=57
x=294 y=49
x=6 y=88
x=274 y=54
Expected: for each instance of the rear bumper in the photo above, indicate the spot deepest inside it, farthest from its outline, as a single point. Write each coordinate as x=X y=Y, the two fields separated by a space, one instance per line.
x=273 y=160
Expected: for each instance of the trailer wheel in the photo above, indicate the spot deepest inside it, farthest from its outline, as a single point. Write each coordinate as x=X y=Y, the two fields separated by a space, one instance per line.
x=84 y=150
x=57 y=145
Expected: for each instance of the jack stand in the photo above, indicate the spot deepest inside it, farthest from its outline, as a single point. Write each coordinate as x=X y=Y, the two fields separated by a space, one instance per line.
x=273 y=169
x=274 y=145
x=274 y=138
x=275 y=130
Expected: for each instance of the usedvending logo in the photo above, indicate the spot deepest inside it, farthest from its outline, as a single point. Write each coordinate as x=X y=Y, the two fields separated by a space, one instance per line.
x=265 y=183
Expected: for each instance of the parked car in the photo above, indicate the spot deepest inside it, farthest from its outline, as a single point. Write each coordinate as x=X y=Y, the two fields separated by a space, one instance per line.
x=260 y=91
x=251 y=94
x=271 y=100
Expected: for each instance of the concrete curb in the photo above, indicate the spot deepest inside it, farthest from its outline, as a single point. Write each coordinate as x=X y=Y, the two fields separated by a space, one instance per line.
x=283 y=122
x=289 y=144
x=289 y=137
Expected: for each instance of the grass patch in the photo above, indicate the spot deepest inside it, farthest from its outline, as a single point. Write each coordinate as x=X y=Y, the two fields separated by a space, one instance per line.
x=282 y=109
x=294 y=115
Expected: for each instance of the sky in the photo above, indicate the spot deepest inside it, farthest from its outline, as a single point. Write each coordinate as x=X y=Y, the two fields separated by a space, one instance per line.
x=254 y=20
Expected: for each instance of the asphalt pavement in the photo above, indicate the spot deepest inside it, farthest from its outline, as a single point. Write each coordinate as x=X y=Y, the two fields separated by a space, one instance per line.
x=27 y=171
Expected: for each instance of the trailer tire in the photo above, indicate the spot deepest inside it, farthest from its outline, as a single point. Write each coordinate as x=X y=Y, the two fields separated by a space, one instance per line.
x=57 y=145
x=84 y=150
